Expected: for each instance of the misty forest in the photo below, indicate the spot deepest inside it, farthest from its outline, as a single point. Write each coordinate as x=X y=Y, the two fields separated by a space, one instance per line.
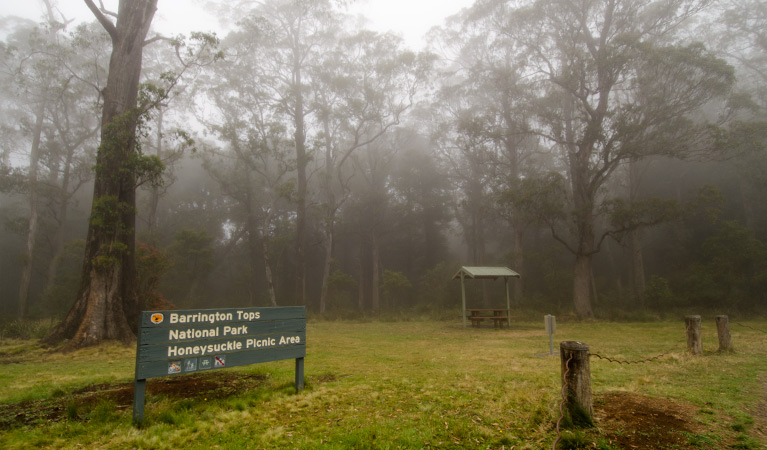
x=610 y=151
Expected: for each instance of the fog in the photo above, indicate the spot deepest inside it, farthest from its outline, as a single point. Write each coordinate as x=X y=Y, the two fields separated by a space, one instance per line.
x=613 y=155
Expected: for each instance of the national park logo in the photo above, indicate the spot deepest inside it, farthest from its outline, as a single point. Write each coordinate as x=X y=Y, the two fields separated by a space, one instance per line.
x=157 y=318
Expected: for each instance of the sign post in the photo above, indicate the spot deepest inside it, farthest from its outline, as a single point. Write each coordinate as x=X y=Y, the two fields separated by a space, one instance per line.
x=190 y=341
x=551 y=328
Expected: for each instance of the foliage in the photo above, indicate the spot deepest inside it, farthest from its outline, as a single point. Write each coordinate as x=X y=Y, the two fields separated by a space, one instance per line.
x=59 y=296
x=395 y=286
x=732 y=269
x=658 y=293
x=435 y=289
x=152 y=265
x=340 y=287
x=26 y=329
x=191 y=261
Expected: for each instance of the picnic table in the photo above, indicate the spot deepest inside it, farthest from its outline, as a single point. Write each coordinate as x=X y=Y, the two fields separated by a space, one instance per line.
x=499 y=316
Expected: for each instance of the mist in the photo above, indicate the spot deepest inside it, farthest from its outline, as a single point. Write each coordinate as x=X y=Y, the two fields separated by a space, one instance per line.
x=614 y=156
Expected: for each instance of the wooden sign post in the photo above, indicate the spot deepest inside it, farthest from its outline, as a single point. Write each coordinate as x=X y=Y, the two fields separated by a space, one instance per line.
x=191 y=341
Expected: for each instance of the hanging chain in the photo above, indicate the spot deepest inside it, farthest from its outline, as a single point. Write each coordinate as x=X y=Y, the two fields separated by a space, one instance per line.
x=755 y=329
x=638 y=361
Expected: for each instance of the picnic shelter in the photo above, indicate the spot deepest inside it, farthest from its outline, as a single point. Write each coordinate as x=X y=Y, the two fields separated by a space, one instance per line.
x=484 y=273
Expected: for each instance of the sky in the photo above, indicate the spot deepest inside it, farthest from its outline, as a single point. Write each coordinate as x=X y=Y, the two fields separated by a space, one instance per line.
x=409 y=18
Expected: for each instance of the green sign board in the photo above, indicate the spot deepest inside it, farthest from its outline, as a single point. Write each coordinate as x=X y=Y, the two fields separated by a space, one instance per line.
x=190 y=341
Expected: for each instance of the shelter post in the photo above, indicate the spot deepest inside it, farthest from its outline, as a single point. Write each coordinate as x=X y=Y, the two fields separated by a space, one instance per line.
x=463 y=300
x=508 y=303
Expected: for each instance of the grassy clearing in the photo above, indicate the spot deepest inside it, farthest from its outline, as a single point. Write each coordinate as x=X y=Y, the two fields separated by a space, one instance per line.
x=394 y=385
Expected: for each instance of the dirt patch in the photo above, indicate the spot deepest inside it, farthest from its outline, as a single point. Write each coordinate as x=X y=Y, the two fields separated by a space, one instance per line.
x=633 y=421
x=208 y=386
x=759 y=412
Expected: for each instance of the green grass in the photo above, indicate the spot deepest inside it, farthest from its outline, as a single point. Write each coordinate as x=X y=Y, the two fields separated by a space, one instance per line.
x=394 y=385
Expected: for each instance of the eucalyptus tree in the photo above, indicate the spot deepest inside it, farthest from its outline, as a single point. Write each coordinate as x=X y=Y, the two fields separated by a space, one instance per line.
x=295 y=34
x=172 y=121
x=253 y=163
x=32 y=70
x=107 y=303
x=420 y=202
x=51 y=76
x=74 y=118
x=486 y=71
x=738 y=31
x=468 y=152
x=362 y=90
x=615 y=85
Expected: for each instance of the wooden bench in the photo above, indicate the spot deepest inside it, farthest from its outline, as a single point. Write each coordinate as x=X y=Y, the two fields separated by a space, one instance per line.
x=500 y=317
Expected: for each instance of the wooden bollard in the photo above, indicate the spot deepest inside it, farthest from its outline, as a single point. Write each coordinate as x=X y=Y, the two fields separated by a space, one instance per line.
x=723 y=330
x=576 y=382
x=694 y=339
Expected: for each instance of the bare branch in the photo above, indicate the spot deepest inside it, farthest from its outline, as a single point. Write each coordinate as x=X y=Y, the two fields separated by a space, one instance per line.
x=105 y=10
x=106 y=23
x=154 y=39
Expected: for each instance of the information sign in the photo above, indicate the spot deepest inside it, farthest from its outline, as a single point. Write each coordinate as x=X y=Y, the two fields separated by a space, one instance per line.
x=190 y=341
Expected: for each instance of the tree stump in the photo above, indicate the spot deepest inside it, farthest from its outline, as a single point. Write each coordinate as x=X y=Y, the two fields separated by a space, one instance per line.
x=723 y=330
x=694 y=338
x=576 y=382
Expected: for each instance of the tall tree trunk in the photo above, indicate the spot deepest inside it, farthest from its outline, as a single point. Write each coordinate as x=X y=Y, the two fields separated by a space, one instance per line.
x=747 y=204
x=637 y=267
x=518 y=260
x=107 y=303
x=301 y=164
x=584 y=210
x=330 y=219
x=375 y=275
x=154 y=196
x=268 y=260
x=582 y=286
x=29 y=249
x=635 y=238
x=361 y=281
x=329 y=237
x=254 y=236
x=511 y=144
x=63 y=213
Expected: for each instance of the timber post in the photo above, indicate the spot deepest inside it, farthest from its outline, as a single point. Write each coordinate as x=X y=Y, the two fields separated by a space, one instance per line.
x=576 y=382
x=723 y=331
x=694 y=338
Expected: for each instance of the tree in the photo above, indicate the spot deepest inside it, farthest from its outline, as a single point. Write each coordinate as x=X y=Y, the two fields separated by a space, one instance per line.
x=296 y=34
x=363 y=88
x=50 y=75
x=72 y=143
x=614 y=86
x=738 y=32
x=486 y=72
x=254 y=167
x=107 y=302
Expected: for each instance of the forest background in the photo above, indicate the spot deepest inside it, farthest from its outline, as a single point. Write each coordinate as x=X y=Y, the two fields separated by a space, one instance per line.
x=613 y=153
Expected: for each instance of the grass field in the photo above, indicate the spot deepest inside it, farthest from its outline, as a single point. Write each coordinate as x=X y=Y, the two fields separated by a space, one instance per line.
x=408 y=385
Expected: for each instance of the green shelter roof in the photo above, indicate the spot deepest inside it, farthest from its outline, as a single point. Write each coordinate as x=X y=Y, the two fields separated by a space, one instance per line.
x=485 y=273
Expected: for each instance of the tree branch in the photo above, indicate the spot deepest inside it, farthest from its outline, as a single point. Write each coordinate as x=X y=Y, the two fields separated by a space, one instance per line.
x=106 y=23
x=159 y=37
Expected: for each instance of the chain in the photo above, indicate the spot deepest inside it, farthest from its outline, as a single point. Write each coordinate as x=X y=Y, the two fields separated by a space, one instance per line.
x=755 y=329
x=638 y=361
x=564 y=398
x=606 y=358
x=641 y=361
